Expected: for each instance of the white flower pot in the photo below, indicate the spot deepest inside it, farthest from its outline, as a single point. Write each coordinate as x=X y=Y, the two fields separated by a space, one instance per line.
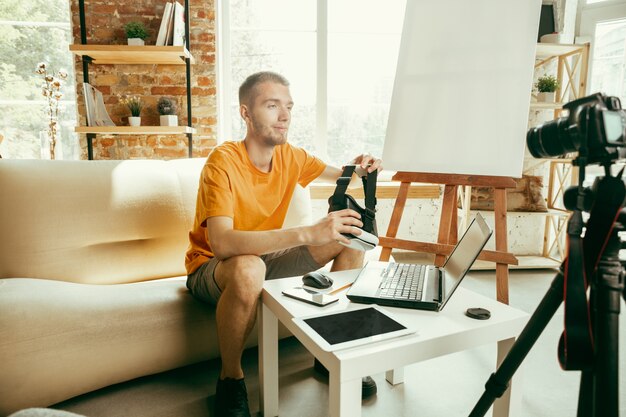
x=134 y=121
x=136 y=42
x=546 y=97
x=169 y=120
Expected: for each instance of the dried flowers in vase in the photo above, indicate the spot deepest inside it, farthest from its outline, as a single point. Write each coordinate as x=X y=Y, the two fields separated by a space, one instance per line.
x=51 y=90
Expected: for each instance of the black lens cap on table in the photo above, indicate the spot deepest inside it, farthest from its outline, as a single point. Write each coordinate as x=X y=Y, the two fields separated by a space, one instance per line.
x=478 y=313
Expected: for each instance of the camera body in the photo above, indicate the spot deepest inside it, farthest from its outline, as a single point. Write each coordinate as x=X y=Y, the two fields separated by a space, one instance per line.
x=595 y=127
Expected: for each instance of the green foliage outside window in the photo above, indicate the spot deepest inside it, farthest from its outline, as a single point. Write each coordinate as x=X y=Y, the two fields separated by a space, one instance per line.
x=43 y=34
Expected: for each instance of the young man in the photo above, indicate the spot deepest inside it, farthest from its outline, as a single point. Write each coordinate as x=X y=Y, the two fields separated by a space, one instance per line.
x=237 y=241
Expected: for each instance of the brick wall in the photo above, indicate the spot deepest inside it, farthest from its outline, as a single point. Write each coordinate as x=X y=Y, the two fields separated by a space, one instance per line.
x=105 y=20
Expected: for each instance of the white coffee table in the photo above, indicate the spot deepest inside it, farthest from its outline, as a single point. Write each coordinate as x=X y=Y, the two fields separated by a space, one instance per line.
x=438 y=334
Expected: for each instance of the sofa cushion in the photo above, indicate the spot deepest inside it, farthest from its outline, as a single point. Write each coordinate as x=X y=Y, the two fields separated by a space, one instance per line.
x=94 y=221
x=60 y=339
x=102 y=222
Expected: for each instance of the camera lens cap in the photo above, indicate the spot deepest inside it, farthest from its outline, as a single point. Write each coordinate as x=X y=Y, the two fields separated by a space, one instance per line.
x=478 y=313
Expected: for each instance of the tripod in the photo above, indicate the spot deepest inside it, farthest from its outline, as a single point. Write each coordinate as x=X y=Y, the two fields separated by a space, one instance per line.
x=599 y=391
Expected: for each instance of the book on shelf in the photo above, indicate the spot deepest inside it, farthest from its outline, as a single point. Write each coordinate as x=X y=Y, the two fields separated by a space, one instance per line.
x=178 y=33
x=169 y=34
x=96 y=111
x=165 y=21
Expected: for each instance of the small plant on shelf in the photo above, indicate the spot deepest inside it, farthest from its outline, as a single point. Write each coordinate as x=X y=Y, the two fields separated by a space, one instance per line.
x=135 y=105
x=166 y=106
x=136 y=33
x=547 y=84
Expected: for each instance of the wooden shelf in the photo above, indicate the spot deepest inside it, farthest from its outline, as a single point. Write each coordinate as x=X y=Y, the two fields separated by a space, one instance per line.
x=132 y=130
x=524 y=262
x=545 y=50
x=126 y=54
x=320 y=191
x=550 y=212
x=545 y=106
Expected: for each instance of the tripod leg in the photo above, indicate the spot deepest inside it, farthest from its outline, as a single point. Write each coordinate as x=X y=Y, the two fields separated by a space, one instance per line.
x=510 y=404
x=585 y=394
x=497 y=383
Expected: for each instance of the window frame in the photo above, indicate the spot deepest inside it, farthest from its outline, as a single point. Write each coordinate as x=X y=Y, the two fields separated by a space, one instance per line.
x=592 y=14
x=224 y=82
x=67 y=119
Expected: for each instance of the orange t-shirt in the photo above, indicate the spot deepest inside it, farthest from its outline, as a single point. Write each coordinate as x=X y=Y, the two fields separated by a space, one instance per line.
x=230 y=185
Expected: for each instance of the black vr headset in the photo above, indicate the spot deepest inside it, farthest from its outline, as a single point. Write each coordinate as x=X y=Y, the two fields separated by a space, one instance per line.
x=368 y=239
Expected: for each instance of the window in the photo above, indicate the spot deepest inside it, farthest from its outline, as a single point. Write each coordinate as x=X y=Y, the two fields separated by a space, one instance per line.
x=32 y=31
x=609 y=62
x=339 y=56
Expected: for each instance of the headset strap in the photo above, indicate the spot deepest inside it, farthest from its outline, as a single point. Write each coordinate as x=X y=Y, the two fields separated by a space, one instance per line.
x=369 y=188
x=342 y=184
x=576 y=343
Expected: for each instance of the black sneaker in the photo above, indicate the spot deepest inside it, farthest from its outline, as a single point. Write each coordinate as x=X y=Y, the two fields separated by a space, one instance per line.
x=368 y=385
x=231 y=398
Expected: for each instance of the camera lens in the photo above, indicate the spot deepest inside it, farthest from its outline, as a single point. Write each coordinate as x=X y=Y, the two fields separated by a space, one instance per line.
x=551 y=139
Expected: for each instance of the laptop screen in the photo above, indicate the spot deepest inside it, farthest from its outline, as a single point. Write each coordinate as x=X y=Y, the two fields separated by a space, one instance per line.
x=464 y=254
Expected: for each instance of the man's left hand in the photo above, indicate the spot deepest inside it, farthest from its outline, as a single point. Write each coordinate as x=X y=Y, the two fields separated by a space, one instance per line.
x=362 y=161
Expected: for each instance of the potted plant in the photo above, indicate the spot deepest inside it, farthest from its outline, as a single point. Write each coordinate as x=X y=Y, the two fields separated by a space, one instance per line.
x=136 y=33
x=166 y=106
x=546 y=87
x=135 y=105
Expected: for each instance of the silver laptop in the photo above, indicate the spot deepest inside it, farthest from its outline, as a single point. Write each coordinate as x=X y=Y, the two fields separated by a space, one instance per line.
x=424 y=287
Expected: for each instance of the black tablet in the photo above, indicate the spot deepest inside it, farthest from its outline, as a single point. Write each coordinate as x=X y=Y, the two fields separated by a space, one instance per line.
x=353 y=327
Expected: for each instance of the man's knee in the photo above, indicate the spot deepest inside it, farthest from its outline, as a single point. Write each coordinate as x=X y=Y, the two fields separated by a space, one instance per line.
x=352 y=254
x=329 y=252
x=243 y=275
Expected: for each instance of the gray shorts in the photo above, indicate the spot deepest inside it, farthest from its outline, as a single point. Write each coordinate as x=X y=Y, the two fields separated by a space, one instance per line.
x=281 y=264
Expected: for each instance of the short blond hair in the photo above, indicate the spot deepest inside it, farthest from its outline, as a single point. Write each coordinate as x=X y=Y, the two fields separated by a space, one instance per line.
x=247 y=89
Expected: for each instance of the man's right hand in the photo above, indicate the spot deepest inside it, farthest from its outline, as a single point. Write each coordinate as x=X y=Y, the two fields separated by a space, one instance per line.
x=330 y=228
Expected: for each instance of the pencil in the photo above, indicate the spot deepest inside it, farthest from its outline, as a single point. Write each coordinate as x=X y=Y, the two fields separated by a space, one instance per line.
x=340 y=289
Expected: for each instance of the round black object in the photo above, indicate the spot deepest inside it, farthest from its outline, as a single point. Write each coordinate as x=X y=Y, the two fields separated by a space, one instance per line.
x=478 y=313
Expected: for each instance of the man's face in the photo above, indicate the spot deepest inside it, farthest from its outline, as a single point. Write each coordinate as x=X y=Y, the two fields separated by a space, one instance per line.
x=270 y=113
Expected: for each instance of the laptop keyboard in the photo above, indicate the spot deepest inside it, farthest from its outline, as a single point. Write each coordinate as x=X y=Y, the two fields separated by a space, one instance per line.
x=403 y=281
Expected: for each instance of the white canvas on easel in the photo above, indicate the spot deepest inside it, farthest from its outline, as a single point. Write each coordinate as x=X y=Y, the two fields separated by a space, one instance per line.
x=462 y=89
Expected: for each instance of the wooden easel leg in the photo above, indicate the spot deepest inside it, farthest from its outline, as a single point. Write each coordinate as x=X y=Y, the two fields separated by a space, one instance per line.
x=396 y=216
x=502 y=270
x=447 y=222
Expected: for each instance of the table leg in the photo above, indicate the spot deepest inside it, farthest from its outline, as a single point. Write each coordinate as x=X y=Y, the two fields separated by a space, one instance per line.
x=395 y=376
x=510 y=404
x=268 y=361
x=344 y=399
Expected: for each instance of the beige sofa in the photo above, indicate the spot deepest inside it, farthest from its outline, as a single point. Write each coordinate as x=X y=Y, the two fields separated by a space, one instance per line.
x=92 y=285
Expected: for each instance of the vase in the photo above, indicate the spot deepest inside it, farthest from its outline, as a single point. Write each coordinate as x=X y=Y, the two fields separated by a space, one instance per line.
x=546 y=97
x=134 y=120
x=50 y=146
x=136 y=42
x=169 y=120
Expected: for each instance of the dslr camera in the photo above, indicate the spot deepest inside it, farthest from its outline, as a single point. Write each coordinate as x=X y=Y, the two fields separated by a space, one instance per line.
x=595 y=127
